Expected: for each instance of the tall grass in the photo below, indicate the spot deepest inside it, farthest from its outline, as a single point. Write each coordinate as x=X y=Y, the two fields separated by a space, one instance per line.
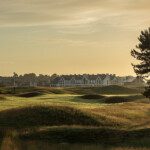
x=10 y=141
x=55 y=116
x=103 y=136
x=112 y=89
x=45 y=116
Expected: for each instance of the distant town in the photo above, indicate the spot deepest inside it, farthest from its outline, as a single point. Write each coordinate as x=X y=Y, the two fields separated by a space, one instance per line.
x=84 y=80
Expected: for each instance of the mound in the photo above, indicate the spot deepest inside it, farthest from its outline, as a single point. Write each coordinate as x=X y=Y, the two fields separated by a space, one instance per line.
x=116 y=99
x=56 y=91
x=30 y=94
x=45 y=116
x=92 y=96
x=115 y=89
x=111 y=89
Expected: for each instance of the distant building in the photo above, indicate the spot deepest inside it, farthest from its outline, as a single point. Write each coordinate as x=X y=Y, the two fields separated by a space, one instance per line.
x=85 y=80
x=138 y=82
x=88 y=80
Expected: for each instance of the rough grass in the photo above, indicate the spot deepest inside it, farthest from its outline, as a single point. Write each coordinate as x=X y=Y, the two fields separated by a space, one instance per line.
x=111 y=99
x=104 y=136
x=113 y=89
x=77 y=119
x=134 y=114
x=11 y=142
x=45 y=116
x=2 y=98
x=9 y=90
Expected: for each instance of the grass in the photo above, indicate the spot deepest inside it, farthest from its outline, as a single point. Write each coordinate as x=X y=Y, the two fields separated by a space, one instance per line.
x=2 y=98
x=111 y=99
x=10 y=143
x=112 y=89
x=103 y=136
x=37 y=116
x=108 y=118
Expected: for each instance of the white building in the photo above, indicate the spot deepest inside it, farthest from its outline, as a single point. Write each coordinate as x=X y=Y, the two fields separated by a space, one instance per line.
x=89 y=80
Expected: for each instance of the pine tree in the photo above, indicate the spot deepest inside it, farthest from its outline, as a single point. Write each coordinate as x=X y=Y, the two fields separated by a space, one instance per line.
x=142 y=53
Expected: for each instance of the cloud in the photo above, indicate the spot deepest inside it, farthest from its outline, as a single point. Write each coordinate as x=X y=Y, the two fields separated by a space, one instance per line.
x=70 y=12
x=52 y=29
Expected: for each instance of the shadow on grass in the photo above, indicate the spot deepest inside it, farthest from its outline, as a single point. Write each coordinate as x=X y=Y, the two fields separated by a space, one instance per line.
x=112 y=89
x=13 y=144
x=45 y=116
x=93 y=98
x=30 y=94
x=103 y=136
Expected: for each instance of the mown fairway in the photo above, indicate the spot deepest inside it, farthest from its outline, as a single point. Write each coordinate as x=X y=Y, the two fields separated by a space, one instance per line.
x=65 y=115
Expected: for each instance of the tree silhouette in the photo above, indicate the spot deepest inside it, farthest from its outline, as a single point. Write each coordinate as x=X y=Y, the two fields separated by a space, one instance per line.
x=142 y=54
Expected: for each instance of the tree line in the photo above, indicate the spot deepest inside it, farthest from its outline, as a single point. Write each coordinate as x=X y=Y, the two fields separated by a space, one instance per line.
x=26 y=80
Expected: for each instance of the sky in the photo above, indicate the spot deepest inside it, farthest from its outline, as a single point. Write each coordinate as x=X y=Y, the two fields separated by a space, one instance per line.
x=70 y=36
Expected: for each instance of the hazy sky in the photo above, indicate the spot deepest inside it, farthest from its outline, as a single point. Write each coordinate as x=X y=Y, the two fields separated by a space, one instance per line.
x=70 y=36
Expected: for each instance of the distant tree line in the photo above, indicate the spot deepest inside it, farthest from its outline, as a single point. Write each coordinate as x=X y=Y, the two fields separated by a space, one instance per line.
x=30 y=79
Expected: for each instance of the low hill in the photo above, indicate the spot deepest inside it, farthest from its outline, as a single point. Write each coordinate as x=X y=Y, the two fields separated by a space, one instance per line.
x=30 y=94
x=112 y=89
x=45 y=116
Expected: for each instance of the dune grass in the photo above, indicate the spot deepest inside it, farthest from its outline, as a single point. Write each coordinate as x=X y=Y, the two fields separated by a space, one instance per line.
x=12 y=142
x=2 y=98
x=111 y=99
x=112 y=89
x=132 y=114
x=65 y=117
x=45 y=116
x=103 y=136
